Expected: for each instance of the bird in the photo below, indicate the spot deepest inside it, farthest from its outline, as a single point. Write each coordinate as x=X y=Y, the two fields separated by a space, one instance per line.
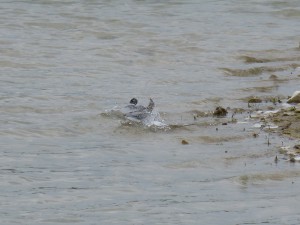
x=139 y=112
x=132 y=104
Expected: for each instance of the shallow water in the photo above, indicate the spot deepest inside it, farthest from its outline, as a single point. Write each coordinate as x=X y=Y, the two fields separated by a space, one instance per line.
x=64 y=63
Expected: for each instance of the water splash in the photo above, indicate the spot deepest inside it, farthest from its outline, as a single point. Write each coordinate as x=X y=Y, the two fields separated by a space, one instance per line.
x=152 y=120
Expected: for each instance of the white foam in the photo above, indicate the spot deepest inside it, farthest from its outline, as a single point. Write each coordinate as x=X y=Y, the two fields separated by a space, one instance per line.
x=154 y=119
x=297 y=158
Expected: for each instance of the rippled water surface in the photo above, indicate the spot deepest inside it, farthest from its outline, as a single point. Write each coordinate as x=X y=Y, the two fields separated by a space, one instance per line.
x=65 y=159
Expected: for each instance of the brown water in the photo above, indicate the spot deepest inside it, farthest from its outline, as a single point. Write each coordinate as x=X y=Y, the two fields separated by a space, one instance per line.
x=64 y=63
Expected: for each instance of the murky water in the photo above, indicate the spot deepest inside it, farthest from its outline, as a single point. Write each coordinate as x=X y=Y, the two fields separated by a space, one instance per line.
x=64 y=63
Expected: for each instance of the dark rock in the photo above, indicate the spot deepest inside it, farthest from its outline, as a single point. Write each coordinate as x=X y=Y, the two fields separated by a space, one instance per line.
x=220 y=111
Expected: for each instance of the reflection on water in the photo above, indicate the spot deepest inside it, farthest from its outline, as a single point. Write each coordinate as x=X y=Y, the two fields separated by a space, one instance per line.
x=64 y=160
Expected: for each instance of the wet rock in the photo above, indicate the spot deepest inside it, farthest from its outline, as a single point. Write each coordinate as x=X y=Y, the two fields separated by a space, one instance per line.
x=297 y=147
x=184 y=142
x=295 y=98
x=220 y=111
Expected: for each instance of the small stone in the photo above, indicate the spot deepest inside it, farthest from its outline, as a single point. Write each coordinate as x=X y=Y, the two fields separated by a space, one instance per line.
x=184 y=142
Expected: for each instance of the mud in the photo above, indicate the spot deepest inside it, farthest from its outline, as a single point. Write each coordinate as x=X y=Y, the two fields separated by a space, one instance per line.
x=287 y=120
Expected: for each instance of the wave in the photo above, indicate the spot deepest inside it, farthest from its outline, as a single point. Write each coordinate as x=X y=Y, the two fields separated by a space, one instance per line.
x=250 y=59
x=257 y=70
